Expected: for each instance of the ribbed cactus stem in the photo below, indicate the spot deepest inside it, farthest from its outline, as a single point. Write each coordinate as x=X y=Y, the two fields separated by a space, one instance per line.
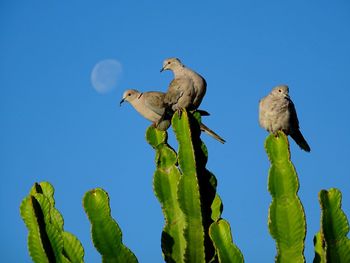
x=286 y=219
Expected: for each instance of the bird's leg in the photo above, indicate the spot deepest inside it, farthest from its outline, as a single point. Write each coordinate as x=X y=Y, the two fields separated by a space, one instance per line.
x=156 y=123
x=179 y=112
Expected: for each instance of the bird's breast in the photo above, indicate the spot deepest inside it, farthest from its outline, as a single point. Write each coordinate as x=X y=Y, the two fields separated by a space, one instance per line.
x=146 y=112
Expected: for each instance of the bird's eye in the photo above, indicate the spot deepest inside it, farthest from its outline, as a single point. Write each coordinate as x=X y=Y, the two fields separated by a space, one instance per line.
x=279 y=90
x=129 y=94
x=169 y=62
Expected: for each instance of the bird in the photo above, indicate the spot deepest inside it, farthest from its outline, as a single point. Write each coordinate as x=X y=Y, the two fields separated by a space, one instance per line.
x=150 y=106
x=277 y=112
x=186 y=90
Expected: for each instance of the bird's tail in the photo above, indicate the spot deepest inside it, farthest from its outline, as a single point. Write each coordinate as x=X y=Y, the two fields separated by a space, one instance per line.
x=202 y=112
x=211 y=133
x=300 y=140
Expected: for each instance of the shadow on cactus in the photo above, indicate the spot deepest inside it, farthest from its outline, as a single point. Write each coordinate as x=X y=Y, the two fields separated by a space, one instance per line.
x=332 y=243
x=187 y=193
x=47 y=241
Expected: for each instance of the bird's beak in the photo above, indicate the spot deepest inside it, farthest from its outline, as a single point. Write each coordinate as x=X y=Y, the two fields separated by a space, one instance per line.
x=120 y=104
x=162 y=69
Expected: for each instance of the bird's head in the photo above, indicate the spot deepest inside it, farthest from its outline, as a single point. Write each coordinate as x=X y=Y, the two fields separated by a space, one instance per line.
x=171 y=64
x=281 y=91
x=130 y=95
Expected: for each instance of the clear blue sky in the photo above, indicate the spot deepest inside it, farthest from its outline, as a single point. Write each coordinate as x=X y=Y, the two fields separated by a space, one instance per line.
x=55 y=127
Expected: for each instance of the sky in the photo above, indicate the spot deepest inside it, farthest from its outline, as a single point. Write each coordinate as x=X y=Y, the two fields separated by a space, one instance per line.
x=56 y=127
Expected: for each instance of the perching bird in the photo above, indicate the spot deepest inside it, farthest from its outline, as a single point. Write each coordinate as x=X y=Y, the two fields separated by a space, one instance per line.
x=150 y=105
x=187 y=89
x=277 y=112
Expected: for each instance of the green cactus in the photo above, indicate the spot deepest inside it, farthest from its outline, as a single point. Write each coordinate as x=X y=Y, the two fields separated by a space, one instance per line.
x=193 y=180
x=47 y=241
x=106 y=234
x=220 y=233
x=187 y=193
x=165 y=183
x=194 y=230
x=286 y=219
x=331 y=243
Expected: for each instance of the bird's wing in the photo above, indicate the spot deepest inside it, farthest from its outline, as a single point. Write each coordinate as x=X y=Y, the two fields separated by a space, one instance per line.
x=174 y=92
x=154 y=101
x=294 y=122
x=179 y=87
x=201 y=88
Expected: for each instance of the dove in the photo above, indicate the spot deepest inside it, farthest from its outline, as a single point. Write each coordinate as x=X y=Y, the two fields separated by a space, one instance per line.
x=150 y=106
x=277 y=112
x=187 y=89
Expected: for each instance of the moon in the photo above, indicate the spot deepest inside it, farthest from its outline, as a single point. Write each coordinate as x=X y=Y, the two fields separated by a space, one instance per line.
x=105 y=75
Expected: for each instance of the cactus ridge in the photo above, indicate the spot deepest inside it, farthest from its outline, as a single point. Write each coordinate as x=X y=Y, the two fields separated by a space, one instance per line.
x=286 y=220
x=47 y=241
x=187 y=192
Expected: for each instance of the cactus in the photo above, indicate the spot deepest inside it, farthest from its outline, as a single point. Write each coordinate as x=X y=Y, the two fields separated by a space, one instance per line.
x=106 y=234
x=331 y=243
x=195 y=192
x=286 y=219
x=187 y=193
x=319 y=249
x=47 y=241
x=165 y=183
x=220 y=233
x=194 y=230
